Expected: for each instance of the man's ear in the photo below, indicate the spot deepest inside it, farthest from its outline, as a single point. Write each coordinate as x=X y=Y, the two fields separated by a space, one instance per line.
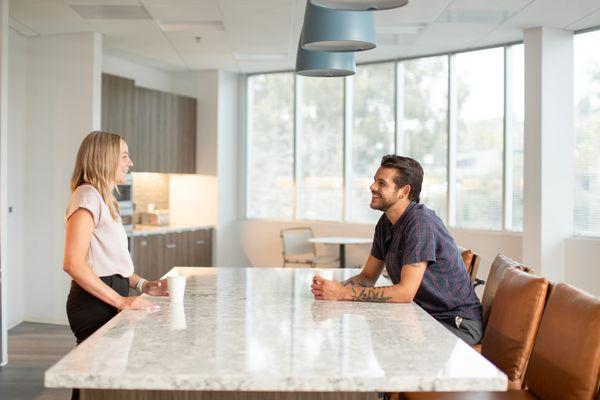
x=406 y=190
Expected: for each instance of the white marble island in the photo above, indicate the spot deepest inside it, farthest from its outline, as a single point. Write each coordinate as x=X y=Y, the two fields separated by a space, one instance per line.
x=248 y=330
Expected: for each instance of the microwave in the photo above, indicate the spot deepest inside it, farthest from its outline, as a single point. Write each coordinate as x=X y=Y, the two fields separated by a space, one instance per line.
x=124 y=195
x=124 y=192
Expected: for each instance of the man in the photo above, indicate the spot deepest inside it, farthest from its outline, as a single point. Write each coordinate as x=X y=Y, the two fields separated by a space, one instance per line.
x=419 y=254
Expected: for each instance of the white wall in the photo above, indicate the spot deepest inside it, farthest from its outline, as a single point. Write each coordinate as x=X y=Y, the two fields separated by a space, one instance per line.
x=228 y=238
x=582 y=268
x=16 y=178
x=192 y=201
x=62 y=91
x=147 y=77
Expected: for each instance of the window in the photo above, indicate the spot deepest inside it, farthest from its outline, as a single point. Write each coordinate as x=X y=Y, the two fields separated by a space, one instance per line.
x=314 y=144
x=321 y=148
x=372 y=133
x=271 y=145
x=424 y=128
x=479 y=152
x=587 y=133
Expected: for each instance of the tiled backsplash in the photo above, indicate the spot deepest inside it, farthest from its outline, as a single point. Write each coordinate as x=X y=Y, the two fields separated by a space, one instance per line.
x=150 y=188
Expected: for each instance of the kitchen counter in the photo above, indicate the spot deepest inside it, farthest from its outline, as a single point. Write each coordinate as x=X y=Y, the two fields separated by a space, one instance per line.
x=260 y=330
x=144 y=230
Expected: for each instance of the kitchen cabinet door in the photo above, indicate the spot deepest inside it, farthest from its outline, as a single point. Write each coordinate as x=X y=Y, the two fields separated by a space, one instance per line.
x=170 y=252
x=118 y=102
x=147 y=153
x=182 y=257
x=202 y=243
x=186 y=116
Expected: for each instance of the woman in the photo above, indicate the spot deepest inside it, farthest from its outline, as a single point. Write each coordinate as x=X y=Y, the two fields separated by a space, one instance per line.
x=96 y=254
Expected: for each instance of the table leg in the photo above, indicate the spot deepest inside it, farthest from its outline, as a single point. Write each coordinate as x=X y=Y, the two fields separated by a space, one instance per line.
x=342 y=255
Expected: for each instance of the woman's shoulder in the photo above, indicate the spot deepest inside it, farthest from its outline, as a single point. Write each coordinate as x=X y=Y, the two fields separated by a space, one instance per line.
x=86 y=191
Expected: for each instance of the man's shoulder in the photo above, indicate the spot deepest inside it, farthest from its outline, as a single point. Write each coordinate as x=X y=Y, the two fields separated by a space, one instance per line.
x=420 y=213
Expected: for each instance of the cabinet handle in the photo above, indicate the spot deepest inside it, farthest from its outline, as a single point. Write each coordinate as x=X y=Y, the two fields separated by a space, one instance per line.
x=199 y=241
x=171 y=246
x=144 y=243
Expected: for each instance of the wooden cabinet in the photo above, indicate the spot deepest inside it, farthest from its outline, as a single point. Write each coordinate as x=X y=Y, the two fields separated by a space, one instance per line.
x=160 y=128
x=155 y=254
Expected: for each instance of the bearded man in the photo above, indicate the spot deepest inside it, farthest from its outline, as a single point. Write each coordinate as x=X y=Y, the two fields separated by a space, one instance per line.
x=419 y=254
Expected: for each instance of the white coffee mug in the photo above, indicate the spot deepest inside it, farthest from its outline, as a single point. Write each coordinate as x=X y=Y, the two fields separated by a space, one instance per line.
x=323 y=273
x=176 y=288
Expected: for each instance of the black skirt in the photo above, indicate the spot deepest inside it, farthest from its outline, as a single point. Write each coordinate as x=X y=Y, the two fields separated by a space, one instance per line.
x=86 y=312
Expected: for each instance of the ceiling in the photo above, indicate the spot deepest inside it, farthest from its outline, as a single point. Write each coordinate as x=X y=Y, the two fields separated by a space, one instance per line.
x=262 y=35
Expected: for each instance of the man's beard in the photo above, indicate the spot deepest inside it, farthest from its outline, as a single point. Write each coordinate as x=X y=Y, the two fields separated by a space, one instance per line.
x=382 y=206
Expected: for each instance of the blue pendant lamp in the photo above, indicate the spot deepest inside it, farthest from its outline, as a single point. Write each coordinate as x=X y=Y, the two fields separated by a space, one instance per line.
x=328 y=29
x=361 y=5
x=324 y=63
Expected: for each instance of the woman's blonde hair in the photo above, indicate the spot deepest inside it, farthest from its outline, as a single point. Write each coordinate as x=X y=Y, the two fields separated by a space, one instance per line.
x=96 y=164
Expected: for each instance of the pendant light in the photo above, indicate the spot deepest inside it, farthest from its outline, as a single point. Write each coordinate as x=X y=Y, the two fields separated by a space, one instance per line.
x=328 y=29
x=324 y=63
x=361 y=5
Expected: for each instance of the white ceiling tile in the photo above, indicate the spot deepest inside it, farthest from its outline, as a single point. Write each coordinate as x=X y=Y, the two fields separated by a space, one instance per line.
x=206 y=12
x=416 y=12
x=141 y=38
x=102 y=2
x=275 y=24
x=592 y=20
x=455 y=37
x=47 y=17
x=212 y=61
x=259 y=66
x=257 y=3
x=507 y=5
x=503 y=34
x=21 y=28
x=178 y=3
x=211 y=41
x=140 y=59
x=553 y=13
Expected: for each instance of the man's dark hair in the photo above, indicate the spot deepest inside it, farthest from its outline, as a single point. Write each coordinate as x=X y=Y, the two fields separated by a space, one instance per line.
x=408 y=172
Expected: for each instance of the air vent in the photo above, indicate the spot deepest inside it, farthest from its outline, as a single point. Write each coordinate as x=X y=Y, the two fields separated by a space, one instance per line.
x=111 y=12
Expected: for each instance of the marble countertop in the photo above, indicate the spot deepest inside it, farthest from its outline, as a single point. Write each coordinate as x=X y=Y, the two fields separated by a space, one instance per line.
x=144 y=230
x=259 y=329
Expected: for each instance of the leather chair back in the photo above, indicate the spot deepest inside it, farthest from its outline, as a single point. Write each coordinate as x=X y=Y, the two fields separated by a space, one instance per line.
x=513 y=323
x=499 y=267
x=471 y=261
x=565 y=361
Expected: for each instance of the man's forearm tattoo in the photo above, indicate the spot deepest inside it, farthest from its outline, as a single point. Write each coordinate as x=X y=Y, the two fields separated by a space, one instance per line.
x=360 y=292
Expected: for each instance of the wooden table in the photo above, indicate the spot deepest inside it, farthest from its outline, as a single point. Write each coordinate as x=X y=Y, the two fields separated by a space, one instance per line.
x=258 y=333
x=342 y=241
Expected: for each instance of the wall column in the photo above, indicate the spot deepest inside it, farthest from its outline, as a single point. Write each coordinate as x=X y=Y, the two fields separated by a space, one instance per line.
x=548 y=158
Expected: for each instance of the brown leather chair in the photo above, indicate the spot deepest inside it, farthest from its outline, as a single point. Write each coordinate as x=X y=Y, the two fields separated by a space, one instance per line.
x=513 y=323
x=499 y=267
x=565 y=360
x=471 y=261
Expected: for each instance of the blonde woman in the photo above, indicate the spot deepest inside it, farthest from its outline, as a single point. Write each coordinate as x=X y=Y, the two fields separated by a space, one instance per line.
x=96 y=254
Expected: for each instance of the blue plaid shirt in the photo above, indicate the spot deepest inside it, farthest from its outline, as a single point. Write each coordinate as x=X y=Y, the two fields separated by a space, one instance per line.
x=420 y=236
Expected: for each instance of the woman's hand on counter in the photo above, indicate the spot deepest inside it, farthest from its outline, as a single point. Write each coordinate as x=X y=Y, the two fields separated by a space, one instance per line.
x=156 y=288
x=136 y=303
